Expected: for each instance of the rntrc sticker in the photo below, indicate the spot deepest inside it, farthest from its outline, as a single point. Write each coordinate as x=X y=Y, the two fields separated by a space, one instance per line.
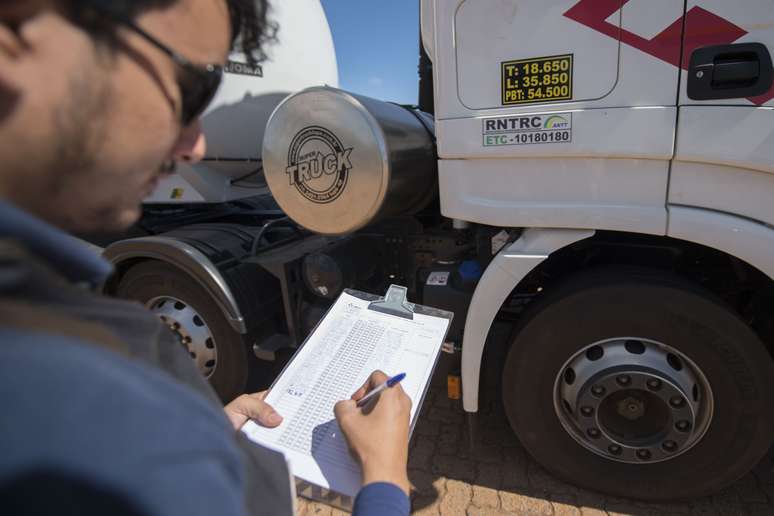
x=527 y=129
x=541 y=79
x=238 y=68
x=318 y=164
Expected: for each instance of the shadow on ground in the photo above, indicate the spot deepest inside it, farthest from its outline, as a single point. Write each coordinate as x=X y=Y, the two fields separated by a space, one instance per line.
x=498 y=477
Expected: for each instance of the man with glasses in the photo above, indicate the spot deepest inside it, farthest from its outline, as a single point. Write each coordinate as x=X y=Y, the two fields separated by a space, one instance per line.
x=103 y=412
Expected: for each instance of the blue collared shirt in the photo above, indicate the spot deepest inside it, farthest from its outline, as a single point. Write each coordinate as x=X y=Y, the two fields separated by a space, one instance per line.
x=118 y=426
x=70 y=256
x=381 y=499
x=86 y=431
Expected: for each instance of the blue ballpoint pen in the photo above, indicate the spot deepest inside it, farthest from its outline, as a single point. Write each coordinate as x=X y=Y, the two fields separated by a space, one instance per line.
x=389 y=383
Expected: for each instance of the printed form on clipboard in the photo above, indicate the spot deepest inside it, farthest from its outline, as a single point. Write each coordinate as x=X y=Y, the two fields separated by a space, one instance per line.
x=359 y=334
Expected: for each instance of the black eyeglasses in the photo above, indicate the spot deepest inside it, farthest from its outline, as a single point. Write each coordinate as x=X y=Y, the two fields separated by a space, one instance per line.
x=198 y=84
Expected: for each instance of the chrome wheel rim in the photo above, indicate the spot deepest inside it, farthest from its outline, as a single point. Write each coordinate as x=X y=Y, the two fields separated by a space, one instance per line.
x=191 y=328
x=633 y=400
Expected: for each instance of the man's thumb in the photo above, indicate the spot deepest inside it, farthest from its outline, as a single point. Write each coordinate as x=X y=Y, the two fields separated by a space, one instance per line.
x=262 y=412
x=344 y=407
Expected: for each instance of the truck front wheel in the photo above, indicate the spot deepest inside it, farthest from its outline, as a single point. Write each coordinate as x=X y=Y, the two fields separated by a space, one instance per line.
x=639 y=385
x=217 y=350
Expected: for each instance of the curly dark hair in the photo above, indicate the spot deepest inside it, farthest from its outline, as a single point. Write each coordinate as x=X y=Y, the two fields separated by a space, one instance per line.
x=251 y=27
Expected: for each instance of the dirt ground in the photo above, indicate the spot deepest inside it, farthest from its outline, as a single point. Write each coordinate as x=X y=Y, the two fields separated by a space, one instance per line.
x=500 y=478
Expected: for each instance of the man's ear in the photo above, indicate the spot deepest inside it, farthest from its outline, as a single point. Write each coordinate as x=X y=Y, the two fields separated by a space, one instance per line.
x=13 y=14
x=10 y=44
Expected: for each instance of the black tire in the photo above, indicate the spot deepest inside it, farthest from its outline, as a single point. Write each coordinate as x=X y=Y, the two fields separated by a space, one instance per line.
x=152 y=279
x=610 y=304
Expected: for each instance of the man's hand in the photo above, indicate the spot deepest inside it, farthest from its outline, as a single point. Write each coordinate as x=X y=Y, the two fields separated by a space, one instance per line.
x=377 y=434
x=252 y=406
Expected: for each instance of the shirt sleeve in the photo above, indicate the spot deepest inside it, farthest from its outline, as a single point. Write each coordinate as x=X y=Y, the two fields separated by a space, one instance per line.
x=115 y=437
x=381 y=499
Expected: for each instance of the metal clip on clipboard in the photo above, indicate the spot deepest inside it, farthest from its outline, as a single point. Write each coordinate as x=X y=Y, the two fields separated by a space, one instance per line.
x=394 y=303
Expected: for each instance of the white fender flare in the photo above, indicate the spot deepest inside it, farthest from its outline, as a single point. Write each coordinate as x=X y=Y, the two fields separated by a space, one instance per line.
x=504 y=273
x=748 y=240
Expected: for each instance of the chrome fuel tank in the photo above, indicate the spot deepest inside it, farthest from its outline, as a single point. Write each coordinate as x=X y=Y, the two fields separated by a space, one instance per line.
x=337 y=162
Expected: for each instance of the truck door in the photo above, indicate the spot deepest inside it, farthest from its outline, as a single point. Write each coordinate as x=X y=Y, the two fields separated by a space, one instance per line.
x=556 y=114
x=724 y=158
x=529 y=42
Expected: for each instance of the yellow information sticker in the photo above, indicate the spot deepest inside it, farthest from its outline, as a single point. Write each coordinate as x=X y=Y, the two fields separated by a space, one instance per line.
x=540 y=79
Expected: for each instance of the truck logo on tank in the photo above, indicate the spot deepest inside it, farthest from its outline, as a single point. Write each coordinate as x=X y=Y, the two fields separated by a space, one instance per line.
x=318 y=164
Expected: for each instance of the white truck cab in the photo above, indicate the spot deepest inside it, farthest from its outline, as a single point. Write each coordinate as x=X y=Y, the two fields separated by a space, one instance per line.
x=596 y=175
x=666 y=128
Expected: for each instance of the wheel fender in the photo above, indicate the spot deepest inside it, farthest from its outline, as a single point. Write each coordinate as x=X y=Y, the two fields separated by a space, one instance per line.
x=189 y=260
x=746 y=239
x=503 y=274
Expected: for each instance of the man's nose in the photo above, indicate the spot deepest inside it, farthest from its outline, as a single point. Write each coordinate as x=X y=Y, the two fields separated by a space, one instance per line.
x=191 y=146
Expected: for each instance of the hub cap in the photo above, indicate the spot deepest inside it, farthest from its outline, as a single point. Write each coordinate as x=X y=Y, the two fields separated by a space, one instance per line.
x=192 y=330
x=633 y=400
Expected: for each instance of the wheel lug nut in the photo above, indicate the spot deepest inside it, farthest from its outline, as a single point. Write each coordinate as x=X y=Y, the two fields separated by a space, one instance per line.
x=623 y=380
x=669 y=446
x=598 y=391
x=643 y=454
x=175 y=326
x=683 y=426
x=614 y=449
x=593 y=433
x=677 y=401
x=587 y=411
x=654 y=384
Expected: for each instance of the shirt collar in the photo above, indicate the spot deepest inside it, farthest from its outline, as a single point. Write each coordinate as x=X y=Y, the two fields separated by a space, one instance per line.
x=64 y=253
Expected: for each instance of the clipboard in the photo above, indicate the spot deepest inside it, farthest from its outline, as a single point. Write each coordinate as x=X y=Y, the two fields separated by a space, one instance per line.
x=393 y=304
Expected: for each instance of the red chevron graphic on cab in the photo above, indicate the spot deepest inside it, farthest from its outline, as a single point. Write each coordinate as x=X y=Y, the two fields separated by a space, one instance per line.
x=702 y=28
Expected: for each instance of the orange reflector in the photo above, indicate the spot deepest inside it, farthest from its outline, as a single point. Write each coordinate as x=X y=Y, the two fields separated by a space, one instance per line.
x=453 y=387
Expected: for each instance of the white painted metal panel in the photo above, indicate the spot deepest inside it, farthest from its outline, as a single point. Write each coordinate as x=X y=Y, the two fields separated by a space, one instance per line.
x=596 y=133
x=646 y=73
x=427 y=26
x=724 y=155
x=715 y=22
x=614 y=194
x=732 y=190
x=646 y=18
x=613 y=172
x=739 y=136
x=748 y=240
x=644 y=80
x=489 y=32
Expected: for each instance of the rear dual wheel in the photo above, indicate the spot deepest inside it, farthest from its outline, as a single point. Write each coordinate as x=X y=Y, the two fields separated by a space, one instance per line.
x=638 y=385
x=217 y=350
